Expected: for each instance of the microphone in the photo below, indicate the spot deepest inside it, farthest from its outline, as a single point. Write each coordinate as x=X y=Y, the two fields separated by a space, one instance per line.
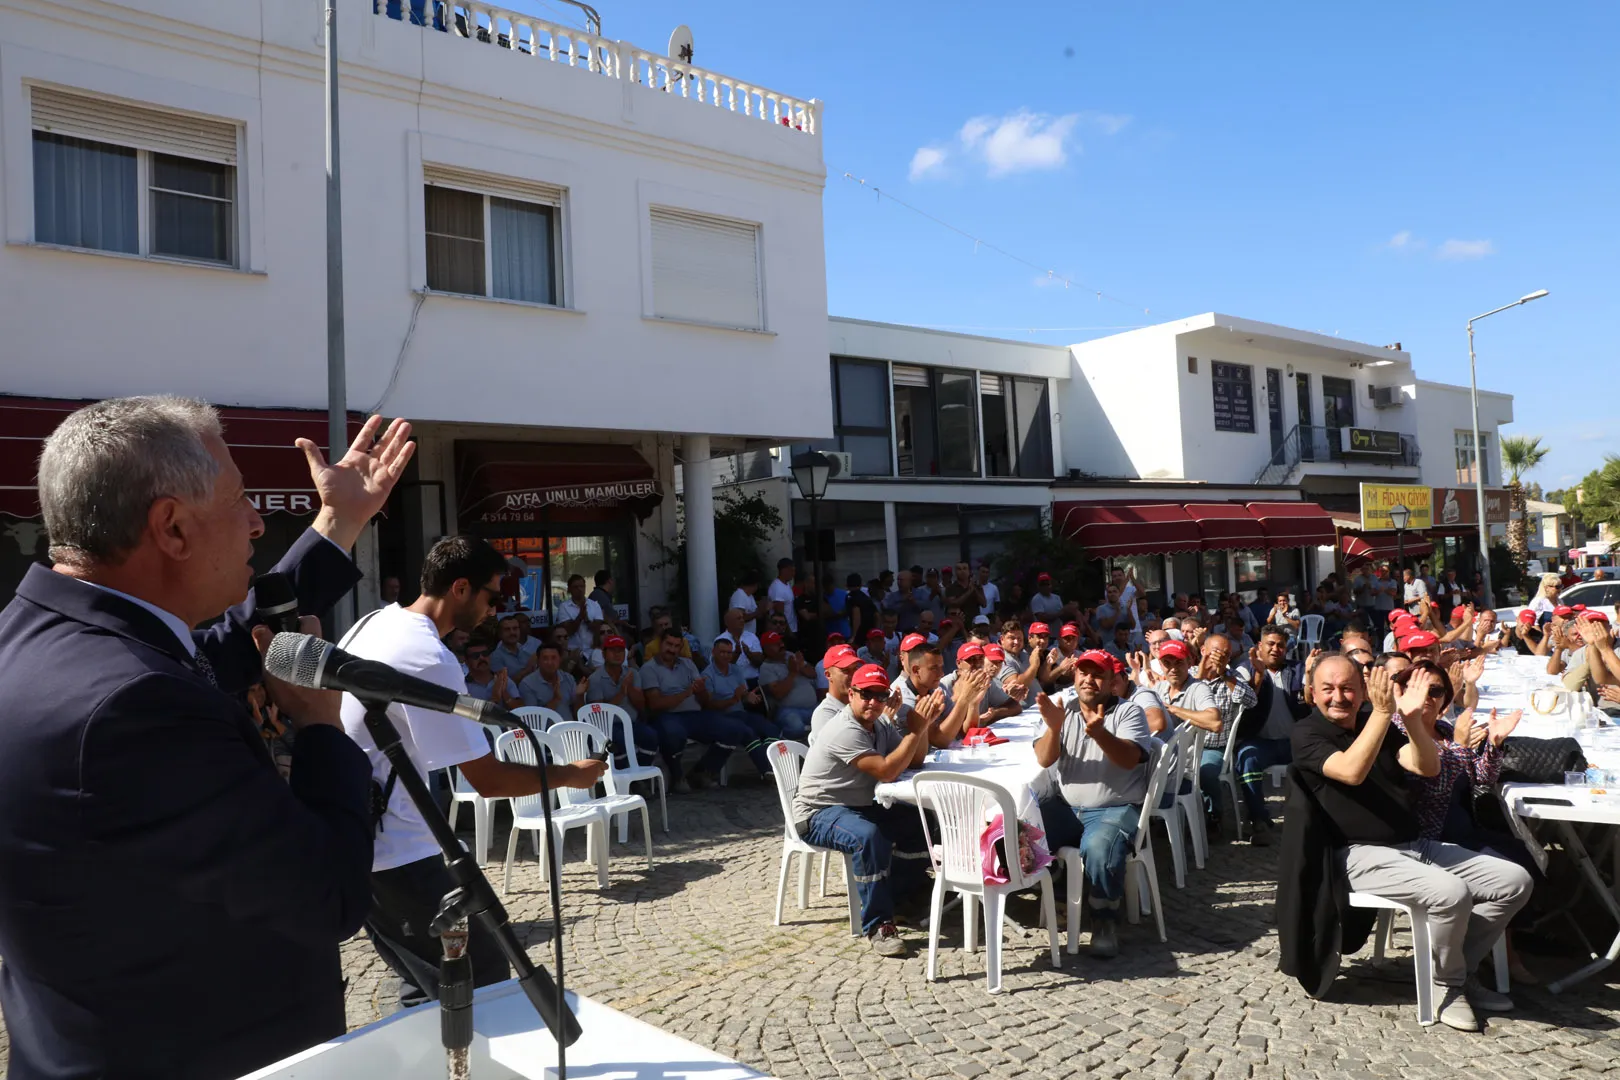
x=308 y=661
x=275 y=602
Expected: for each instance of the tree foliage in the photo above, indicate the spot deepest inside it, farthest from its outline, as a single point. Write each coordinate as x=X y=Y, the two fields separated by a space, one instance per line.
x=743 y=524
x=1076 y=574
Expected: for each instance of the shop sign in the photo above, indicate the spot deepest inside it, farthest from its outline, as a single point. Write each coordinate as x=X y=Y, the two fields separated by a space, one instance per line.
x=521 y=505
x=288 y=502
x=1357 y=440
x=1460 y=506
x=1377 y=499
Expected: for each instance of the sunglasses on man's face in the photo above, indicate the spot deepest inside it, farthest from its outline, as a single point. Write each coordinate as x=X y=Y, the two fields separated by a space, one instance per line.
x=873 y=693
x=477 y=654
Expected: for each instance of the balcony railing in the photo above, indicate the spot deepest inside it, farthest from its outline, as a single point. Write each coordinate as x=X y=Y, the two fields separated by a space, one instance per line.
x=1307 y=444
x=542 y=40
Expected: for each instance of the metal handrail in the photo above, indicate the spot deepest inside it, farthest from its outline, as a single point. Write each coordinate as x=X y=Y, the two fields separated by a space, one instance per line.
x=1308 y=443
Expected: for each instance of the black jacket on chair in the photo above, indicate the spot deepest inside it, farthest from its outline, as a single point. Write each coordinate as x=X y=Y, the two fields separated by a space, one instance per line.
x=1254 y=717
x=1315 y=922
x=169 y=906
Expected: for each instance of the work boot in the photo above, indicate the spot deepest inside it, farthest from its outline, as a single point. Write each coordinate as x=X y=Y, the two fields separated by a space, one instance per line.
x=1454 y=1010
x=1104 y=937
x=886 y=941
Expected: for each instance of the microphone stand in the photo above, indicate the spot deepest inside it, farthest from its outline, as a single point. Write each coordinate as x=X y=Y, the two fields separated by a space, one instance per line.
x=473 y=897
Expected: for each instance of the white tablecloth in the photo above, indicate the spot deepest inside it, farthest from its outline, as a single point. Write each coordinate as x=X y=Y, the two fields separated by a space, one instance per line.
x=1507 y=684
x=1011 y=765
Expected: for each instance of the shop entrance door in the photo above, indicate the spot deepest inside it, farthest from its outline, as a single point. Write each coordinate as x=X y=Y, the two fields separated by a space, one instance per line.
x=555 y=553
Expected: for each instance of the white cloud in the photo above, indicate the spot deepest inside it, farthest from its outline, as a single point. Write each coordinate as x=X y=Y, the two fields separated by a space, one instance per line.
x=1107 y=123
x=1401 y=239
x=927 y=159
x=1464 y=250
x=1021 y=141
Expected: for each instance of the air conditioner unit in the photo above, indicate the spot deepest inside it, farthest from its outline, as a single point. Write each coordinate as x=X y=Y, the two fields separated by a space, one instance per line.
x=1387 y=397
x=843 y=465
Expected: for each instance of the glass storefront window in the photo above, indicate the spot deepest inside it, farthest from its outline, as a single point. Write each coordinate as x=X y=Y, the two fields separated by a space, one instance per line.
x=1149 y=575
x=1212 y=577
x=1253 y=571
x=958 y=423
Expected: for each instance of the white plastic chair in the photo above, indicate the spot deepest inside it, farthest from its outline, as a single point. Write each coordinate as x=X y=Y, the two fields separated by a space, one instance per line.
x=1229 y=777
x=1422 y=954
x=1190 y=797
x=536 y=716
x=483 y=809
x=601 y=715
x=528 y=813
x=575 y=741
x=962 y=805
x=1310 y=632
x=1138 y=864
x=786 y=759
x=1171 y=817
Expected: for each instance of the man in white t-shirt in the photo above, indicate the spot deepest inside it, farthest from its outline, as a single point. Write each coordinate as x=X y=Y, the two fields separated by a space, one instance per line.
x=461 y=584
x=780 y=594
x=743 y=598
x=745 y=645
x=1045 y=603
x=992 y=595
x=580 y=617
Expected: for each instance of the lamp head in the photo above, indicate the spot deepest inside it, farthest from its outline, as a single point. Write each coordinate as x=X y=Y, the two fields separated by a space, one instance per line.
x=811 y=470
x=1537 y=295
x=1398 y=515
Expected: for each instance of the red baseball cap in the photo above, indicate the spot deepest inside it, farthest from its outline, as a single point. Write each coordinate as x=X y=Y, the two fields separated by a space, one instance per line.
x=875 y=633
x=1069 y=630
x=1596 y=616
x=1172 y=647
x=912 y=641
x=1403 y=622
x=1420 y=640
x=835 y=638
x=1578 y=607
x=1119 y=666
x=943 y=623
x=1398 y=614
x=1043 y=577
x=994 y=653
x=1040 y=628
x=1563 y=611
x=1098 y=659
x=614 y=642
x=870 y=677
x=1459 y=615
x=968 y=652
x=770 y=637
x=841 y=656
x=1527 y=616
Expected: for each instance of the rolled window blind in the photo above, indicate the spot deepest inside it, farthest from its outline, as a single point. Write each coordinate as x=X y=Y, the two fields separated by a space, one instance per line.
x=503 y=186
x=705 y=269
x=123 y=124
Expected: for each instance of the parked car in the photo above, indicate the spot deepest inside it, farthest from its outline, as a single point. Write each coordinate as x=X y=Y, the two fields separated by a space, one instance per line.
x=1593 y=594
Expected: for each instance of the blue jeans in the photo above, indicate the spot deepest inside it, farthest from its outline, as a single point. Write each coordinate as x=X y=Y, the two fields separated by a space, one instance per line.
x=647 y=743
x=1209 y=778
x=762 y=732
x=1253 y=759
x=887 y=848
x=1103 y=834
x=795 y=723
x=723 y=732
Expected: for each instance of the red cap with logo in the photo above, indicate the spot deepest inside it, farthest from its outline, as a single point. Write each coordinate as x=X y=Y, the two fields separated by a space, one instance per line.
x=835 y=638
x=874 y=634
x=840 y=657
x=1098 y=659
x=1420 y=640
x=1043 y=577
x=1173 y=648
x=968 y=652
x=1398 y=614
x=1527 y=616
x=1119 y=666
x=614 y=642
x=1039 y=628
x=870 y=677
x=770 y=637
x=1563 y=611
x=1069 y=630
x=995 y=654
x=1596 y=616
x=911 y=642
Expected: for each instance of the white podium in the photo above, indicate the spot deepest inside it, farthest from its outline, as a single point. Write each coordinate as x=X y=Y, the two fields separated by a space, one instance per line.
x=509 y=1043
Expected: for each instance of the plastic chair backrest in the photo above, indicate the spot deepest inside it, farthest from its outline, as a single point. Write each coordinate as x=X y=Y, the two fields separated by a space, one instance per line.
x=1195 y=756
x=536 y=716
x=601 y=715
x=515 y=746
x=1186 y=761
x=1311 y=629
x=571 y=741
x=1160 y=764
x=963 y=805
x=787 y=759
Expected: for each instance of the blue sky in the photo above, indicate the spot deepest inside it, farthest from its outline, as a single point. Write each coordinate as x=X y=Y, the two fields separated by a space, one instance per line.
x=1382 y=172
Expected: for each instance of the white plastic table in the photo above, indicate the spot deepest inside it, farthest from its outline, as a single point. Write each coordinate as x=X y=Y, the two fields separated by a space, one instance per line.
x=1565 y=807
x=1010 y=765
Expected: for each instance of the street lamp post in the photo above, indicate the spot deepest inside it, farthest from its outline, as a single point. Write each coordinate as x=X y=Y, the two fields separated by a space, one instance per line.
x=1398 y=517
x=811 y=471
x=1479 y=454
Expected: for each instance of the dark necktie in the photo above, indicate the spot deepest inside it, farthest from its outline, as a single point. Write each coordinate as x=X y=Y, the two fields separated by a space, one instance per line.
x=206 y=669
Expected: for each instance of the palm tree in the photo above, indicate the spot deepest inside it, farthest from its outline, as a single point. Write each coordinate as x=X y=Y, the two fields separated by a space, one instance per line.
x=1520 y=454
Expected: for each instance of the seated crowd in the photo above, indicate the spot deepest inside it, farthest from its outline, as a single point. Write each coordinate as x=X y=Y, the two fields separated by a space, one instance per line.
x=1372 y=706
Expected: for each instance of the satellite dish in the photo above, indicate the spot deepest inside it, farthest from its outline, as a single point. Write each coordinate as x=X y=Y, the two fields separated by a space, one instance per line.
x=680 y=44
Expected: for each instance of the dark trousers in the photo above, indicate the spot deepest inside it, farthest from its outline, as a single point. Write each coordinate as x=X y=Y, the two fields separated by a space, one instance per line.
x=404 y=901
x=888 y=849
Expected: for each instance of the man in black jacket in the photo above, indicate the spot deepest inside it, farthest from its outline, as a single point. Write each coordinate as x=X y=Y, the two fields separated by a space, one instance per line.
x=169 y=905
x=1263 y=729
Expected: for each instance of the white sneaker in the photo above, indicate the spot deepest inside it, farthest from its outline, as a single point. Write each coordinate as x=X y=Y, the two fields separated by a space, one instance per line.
x=1454 y=1010
x=1483 y=997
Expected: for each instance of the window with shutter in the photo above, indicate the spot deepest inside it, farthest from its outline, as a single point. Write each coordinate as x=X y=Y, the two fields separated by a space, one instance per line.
x=115 y=176
x=492 y=236
x=706 y=269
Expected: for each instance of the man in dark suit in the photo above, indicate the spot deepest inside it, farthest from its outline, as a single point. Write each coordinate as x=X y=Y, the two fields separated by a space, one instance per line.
x=169 y=906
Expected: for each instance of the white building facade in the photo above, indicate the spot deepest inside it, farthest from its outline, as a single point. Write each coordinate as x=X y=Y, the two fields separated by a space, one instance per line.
x=571 y=261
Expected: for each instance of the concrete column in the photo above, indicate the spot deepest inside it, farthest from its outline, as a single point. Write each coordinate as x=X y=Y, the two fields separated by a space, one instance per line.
x=702 y=585
x=891 y=537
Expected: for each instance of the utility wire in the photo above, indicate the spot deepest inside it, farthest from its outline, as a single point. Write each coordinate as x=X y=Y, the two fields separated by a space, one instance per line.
x=979 y=242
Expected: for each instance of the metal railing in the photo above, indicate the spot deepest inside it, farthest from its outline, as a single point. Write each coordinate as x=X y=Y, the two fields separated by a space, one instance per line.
x=1312 y=443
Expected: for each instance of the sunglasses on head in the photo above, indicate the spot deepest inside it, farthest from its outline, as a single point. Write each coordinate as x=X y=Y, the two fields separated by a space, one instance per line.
x=873 y=693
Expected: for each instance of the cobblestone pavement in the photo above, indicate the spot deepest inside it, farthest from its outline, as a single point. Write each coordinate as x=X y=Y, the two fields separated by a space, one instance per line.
x=690 y=948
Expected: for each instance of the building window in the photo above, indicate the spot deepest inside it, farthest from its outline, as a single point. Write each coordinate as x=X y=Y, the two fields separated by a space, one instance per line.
x=936 y=422
x=861 y=423
x=1464 y=442
x=706 y=269
x=1234 y=396
x=958 y=422
x=1017 y=426
x=110 y=176
x=490 y=236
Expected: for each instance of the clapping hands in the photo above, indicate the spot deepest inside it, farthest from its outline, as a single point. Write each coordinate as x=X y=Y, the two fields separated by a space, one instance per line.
x=1415 y=695
x=1380 y=690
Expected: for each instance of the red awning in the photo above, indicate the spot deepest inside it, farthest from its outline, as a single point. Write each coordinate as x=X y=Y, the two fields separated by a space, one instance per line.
x=1226 y=526
x=515 y=482
x=275 y=471
x=1294 y=524
x=1127 y=529
x=1357 y=549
